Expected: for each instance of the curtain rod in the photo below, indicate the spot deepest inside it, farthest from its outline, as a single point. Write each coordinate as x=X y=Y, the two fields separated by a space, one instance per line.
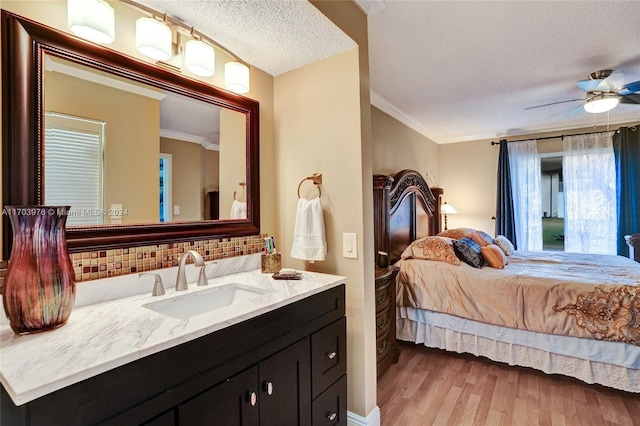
x=633 y=128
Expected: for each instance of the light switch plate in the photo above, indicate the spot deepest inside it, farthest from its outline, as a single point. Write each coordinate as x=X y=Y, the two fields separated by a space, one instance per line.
x=350 y=245
x=176 y=209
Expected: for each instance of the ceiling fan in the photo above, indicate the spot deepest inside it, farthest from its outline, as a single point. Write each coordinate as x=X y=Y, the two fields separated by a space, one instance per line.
x=602 y=96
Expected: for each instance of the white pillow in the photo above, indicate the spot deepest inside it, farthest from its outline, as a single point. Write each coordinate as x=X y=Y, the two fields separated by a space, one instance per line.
x=504 y=243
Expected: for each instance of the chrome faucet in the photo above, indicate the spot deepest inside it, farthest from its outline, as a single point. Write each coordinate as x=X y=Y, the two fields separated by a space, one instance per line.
x=158 y=287
x=203 y=279
x=181 y=278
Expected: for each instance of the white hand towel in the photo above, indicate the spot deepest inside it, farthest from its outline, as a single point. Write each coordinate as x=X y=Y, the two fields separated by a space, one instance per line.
x=238 y=210
x=309 y=241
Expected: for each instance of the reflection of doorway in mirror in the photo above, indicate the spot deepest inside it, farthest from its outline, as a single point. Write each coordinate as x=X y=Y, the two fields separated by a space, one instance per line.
x=165 y=187
x=73 y=167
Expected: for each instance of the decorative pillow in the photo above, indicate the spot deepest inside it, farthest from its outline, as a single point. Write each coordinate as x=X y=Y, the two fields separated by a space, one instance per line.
x=494 y=256
x=456 y=233
x=481 y=238
x=469 y=252
x=431 y=248
x=504 y=243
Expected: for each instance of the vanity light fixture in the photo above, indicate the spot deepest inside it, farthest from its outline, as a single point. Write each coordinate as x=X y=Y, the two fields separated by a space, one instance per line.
x=93 y=20
x=199 y=58
x=601 y=102
x=153 y=39
x=199 y=53
x=236 y=77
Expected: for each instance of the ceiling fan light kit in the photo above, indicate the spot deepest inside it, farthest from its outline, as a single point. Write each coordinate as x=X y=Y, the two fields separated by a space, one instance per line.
x=601 y=102
x=602 y=96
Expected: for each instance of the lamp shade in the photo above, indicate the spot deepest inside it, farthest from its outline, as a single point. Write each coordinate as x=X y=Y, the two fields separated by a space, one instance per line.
x=153 y=39
x=236 y=77
x=93 y=20
x=199 y=58
x=447 y=209
x=601 y=103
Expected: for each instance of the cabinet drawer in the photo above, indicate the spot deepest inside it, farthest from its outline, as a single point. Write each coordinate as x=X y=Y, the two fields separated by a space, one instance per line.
x=383 y=323
x=383 y=298
x=330 y=408
x=328 y=355
x=383 y=345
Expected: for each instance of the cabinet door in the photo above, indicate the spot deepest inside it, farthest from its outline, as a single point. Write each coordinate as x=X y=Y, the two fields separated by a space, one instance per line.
x=230 y=403
x=285 y=387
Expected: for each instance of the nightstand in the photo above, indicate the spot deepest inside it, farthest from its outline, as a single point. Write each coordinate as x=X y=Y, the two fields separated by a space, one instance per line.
x=387 y=350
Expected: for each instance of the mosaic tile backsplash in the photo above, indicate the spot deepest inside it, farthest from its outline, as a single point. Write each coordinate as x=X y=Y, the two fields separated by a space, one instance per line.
x=109 y=263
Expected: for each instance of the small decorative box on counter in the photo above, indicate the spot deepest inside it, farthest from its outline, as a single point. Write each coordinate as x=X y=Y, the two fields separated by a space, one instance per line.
x=271 y=263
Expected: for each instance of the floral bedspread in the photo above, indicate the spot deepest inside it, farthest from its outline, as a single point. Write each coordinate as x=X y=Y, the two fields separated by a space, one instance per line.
x=581 y=295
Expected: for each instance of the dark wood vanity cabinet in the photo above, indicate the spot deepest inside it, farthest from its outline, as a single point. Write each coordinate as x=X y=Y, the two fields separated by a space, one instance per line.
x=285 y=367
x=387 y=350
x=275 y=391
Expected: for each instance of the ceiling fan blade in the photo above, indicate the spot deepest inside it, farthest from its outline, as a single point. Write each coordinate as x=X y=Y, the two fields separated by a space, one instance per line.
x=630 y=99
x=630 y=88
x=593 y=85
x=553 y=103
x=577 y=110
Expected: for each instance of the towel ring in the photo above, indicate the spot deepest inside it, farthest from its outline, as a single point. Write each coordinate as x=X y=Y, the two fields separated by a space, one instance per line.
x=242 y=184
x=316 y=178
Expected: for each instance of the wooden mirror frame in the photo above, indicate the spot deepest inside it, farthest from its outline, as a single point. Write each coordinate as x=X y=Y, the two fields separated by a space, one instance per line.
x=24 y=43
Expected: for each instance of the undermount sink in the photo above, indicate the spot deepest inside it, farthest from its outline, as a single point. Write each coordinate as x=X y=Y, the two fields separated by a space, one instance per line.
x=203 y=301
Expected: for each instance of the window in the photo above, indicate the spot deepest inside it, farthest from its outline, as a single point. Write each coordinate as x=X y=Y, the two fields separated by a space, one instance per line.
x=552 y=201
x=73 y=167
x=578 y=194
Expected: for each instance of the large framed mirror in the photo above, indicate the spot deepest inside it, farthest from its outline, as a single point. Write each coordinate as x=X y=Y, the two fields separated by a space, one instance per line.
x=174 y=159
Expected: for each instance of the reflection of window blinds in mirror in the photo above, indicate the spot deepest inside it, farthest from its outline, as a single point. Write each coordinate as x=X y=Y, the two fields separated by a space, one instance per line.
x=73 y=167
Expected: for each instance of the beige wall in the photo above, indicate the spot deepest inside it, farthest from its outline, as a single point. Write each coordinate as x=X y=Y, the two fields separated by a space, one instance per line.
x=323 y=126
x=188 y=177
x=468 y=173
x=397 y=147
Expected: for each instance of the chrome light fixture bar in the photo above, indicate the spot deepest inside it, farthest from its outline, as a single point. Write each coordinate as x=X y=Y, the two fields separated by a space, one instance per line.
x=199 y=55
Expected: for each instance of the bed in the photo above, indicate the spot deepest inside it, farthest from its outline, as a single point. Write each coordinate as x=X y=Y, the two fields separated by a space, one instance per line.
x=562 y=313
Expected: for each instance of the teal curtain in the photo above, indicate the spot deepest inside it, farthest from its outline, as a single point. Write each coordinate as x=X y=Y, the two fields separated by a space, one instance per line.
x=626 y=147
x=505 y=223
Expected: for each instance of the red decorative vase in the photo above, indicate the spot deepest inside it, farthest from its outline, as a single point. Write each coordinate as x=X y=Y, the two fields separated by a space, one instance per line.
x=39 y=287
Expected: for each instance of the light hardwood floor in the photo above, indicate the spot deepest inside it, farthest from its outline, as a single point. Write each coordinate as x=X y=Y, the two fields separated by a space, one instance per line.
x=433 y=387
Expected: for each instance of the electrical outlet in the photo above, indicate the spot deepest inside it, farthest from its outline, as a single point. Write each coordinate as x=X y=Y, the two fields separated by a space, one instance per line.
x=350 y=245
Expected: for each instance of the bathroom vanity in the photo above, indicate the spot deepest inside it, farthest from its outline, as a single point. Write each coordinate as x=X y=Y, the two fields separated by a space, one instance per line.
x=276 y=357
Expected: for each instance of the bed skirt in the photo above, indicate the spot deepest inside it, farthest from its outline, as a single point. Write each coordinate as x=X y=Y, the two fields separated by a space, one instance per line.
x=462 y=341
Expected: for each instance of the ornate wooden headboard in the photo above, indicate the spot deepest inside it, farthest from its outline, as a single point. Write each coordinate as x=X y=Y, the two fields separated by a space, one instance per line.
x=405 y=209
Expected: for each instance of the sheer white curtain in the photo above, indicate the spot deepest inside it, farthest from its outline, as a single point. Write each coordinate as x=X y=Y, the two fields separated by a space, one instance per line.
x=589 y=176
x=524 y=164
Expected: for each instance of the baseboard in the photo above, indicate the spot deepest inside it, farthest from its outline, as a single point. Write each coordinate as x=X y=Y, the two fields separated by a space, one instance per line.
x=373 y=419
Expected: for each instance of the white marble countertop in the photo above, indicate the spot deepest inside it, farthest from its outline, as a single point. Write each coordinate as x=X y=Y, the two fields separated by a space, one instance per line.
x=102 y=336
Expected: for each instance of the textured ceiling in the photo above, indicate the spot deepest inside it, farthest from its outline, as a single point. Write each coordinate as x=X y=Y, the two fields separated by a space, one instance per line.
x=274 y=35
x=457 y=71
x=451 y=70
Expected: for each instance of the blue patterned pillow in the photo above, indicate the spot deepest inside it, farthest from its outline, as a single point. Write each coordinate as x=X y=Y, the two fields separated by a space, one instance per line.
x=469 y=252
